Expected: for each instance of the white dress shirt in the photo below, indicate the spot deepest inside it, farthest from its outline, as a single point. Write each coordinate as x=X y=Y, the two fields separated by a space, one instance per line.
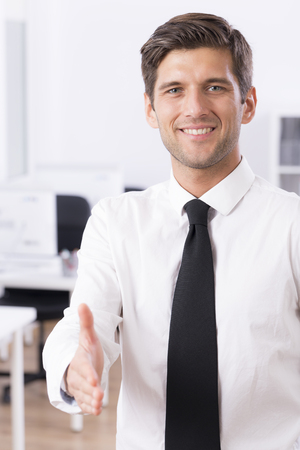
x=128 y=265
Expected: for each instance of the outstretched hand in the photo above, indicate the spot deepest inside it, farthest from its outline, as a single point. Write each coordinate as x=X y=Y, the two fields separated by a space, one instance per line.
x=85 y=370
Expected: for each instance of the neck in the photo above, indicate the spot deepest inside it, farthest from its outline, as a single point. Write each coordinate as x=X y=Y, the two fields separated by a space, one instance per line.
x=199 y=181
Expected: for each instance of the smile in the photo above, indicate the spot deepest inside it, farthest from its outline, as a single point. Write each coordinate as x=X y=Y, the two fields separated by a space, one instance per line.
x=197 y=131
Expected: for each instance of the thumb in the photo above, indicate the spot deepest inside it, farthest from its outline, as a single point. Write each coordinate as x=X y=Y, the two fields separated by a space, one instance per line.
x=89 y=342
x=85 y=316
x=86 y=321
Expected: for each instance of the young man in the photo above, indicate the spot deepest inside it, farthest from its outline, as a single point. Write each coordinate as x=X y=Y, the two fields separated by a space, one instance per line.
x=197 y=72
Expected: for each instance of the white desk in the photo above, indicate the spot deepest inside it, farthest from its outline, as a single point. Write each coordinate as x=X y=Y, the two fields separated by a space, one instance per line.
x=29 y=279
x=12 y=321
x=36 y=280
x=54 y=280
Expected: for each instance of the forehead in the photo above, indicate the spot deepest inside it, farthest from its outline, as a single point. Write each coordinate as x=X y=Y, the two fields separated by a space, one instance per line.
x=201 y=63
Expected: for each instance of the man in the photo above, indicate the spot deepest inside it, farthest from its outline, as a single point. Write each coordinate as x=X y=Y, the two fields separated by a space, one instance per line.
x=198 y=78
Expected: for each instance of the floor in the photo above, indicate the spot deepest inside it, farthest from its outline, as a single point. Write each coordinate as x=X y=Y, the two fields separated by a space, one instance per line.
x=46 y=427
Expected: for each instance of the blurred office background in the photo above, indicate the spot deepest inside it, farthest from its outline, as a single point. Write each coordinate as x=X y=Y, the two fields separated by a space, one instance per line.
x=71 y=108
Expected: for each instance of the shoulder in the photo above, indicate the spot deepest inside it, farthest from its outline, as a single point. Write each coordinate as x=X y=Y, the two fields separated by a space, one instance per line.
x=276 y=201
x=267 y=187
x=134 y=201
x=263 y=187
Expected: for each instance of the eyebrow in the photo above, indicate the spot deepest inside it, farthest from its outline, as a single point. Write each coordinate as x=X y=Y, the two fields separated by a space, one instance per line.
x=219 y=80
x=171 y=84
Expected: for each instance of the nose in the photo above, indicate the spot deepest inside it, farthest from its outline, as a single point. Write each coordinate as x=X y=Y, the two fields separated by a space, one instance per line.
x=195 y=104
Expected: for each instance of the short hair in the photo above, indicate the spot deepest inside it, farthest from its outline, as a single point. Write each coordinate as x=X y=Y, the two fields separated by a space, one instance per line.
x=191 y=31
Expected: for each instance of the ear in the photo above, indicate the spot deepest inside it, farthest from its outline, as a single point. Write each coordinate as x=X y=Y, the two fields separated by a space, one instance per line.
x=150 y=113
x=249 y=106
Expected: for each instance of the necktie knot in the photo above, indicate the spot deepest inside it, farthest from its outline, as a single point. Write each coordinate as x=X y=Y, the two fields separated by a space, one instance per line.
x=197 y=212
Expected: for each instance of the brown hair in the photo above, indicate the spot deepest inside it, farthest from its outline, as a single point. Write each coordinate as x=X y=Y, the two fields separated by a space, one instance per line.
x=191 y=31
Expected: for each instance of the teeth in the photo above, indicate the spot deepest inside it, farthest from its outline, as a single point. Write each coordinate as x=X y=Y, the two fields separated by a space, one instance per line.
x=197 y=131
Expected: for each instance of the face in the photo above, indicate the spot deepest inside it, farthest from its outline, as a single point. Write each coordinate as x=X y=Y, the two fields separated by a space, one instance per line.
x=197 y=107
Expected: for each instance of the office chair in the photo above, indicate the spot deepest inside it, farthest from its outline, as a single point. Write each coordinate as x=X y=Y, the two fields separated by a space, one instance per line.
x=72 y=215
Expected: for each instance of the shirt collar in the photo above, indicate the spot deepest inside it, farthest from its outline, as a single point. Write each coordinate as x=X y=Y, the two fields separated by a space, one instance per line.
x=224 y=196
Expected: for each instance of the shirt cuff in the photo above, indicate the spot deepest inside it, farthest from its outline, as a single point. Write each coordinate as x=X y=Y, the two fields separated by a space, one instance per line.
x=63 y=392
x=67 y=398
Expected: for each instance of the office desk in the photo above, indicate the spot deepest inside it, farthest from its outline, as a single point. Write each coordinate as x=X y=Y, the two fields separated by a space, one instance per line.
x=29 y=279
x=36 y=280
x=12 y=321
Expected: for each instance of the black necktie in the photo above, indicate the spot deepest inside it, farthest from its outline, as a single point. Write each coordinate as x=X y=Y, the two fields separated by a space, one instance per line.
x=192 y=412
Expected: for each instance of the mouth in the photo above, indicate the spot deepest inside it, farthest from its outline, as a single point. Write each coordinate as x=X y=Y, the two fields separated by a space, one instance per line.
x=197 y=131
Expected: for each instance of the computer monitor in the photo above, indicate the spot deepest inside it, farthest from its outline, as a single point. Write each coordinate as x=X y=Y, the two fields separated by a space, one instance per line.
x=28 y=223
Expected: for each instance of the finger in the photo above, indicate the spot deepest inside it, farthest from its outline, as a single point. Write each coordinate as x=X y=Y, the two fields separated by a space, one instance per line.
x=90 y=410
x=94 y=401
x=84 y=394
x=82 y=377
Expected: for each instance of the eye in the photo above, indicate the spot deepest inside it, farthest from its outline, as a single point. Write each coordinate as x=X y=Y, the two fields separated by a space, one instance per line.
x=174 y=90
x=215 y=88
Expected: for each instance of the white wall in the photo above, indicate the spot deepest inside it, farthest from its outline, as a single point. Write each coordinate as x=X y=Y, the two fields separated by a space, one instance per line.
x=3 y=156
x=13 y=157
x=86 y=89
x=15 y=10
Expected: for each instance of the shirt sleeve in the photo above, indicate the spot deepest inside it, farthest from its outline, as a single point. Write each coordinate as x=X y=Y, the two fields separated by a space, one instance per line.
x=97 y=286
x=294 y=249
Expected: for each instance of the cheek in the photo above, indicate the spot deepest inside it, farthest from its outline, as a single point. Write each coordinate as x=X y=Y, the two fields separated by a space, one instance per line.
x=164 y=120
x=232 y=116
x=167 y=112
